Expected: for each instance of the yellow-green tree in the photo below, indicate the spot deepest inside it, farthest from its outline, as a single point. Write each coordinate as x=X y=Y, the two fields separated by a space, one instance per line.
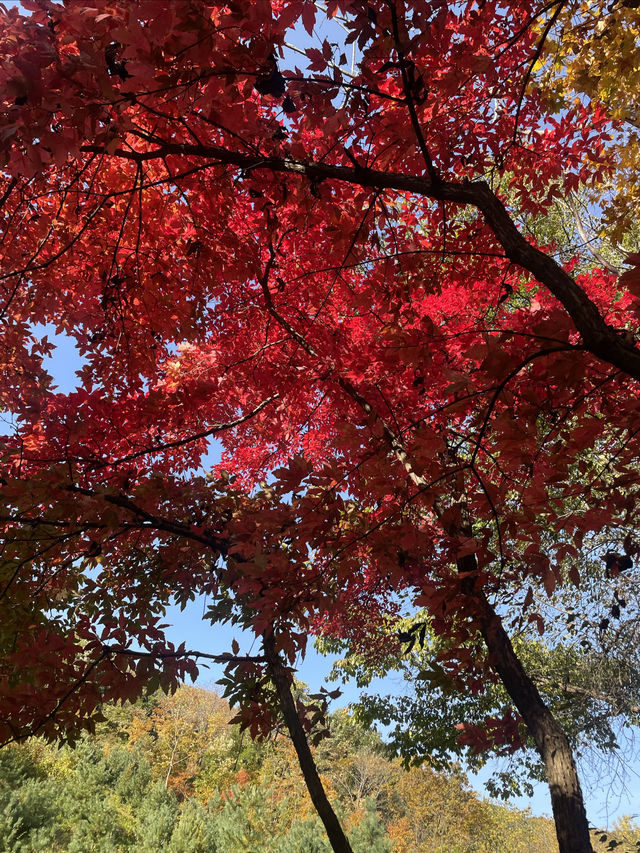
x=183 y=731
x=591 y=50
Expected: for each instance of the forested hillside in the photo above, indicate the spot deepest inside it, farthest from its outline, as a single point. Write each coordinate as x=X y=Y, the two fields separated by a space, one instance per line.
x=171 y=774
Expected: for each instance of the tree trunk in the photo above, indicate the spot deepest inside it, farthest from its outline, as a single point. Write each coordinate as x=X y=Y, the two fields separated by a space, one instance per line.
x=569 y=813
x=335 y=833
x=572 y=827
x=171 y=760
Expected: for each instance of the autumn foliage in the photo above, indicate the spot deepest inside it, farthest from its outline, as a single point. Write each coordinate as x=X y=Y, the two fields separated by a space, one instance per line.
x=316 y=262
x=228 y=794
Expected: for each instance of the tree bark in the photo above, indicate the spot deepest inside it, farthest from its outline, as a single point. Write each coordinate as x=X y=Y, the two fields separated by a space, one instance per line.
x=567 y=802
x=338 y=840
x=572 y=827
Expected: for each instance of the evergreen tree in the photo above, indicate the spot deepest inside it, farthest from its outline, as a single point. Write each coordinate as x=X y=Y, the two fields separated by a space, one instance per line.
x=247 y=822
x=306 y=836
x=369 y=835
x=27 y=803
x=11 y=826
x=132 y=773
x=194 y=832
x=157 y=818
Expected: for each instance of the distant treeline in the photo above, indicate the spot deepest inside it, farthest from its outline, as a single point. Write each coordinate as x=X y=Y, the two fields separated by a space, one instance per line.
x=171 y=774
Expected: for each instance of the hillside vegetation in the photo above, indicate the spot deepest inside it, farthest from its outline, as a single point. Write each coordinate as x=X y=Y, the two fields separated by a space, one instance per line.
x=170 y=773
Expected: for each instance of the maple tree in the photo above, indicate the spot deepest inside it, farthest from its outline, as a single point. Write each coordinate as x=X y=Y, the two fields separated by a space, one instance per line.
x=320 y=266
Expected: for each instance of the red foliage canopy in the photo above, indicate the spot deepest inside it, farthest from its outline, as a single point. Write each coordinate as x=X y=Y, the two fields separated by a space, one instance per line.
x=320 y=267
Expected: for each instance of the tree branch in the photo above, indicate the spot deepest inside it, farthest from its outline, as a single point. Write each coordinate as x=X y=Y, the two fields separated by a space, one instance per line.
x=587 y=242
x=181 y=442
x=225 y=657
x=337 y=838
x=602 y=340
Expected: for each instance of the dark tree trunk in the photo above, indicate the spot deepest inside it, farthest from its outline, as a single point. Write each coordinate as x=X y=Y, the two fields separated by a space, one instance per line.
x=335 y=833
x=572 y=827
x=569 y=813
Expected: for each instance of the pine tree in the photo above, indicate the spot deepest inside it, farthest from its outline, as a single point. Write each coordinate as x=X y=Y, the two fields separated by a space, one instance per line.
x=27 y=803
x=91 y=808
x=157 y=818
x=194 y=832
x=369 y=835
x=247 y=822
x=306 y=836
x=133 y=775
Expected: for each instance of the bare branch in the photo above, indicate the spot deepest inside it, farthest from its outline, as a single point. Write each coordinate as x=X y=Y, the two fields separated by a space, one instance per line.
x=588 y=242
